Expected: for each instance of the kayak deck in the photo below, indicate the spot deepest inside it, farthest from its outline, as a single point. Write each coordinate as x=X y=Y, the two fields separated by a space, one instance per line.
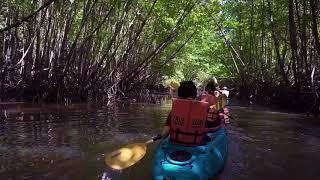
x=182 y=162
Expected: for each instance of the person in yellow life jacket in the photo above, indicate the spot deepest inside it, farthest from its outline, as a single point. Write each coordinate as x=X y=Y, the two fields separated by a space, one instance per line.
x=226 y=112
x=211 y=96
x=186 y=122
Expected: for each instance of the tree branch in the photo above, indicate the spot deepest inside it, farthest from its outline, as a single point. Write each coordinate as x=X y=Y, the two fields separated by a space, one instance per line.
x=45 y=5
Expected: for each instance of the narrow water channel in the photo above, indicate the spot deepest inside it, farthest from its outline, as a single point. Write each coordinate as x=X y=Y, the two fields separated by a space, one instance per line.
x=58 y=142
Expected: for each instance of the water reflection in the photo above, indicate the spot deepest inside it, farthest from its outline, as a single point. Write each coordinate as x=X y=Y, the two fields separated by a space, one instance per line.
x=57 y=142
x=37 y=141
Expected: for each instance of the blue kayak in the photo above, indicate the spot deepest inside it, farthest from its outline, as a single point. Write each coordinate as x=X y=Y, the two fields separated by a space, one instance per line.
x=175 y=162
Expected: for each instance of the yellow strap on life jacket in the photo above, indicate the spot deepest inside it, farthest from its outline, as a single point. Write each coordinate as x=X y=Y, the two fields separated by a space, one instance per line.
x=221 y=101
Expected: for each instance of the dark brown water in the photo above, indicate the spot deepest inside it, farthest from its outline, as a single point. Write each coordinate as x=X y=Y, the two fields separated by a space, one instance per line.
x=57 y=142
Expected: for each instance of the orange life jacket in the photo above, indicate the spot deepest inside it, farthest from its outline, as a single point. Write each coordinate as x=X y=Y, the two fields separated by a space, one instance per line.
x=188 y=122
x=212 y=100
x=213 y=118
x=226 y=115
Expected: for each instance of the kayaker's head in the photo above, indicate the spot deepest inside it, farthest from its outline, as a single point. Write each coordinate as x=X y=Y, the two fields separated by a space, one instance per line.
x=212 y=86
x=187 y=89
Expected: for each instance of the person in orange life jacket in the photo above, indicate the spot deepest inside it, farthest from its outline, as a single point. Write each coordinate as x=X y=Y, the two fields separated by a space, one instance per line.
x=213 y=89
x=185 y=115
x=213 y=118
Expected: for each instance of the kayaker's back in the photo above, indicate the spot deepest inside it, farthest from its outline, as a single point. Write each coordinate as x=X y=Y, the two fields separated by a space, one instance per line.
x=186 y=154
x=187 y=124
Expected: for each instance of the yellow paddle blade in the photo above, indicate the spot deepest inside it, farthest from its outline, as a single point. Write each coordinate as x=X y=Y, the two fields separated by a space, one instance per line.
x=126 y=156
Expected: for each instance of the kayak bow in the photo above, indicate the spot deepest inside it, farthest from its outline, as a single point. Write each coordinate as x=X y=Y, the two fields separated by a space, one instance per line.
x=193 y=163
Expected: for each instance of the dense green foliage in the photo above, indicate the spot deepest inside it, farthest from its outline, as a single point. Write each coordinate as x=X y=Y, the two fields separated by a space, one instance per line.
x=89 y=49
x=278 y=48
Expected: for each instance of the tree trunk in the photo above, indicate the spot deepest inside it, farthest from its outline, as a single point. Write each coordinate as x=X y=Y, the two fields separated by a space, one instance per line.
x=293 y=41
